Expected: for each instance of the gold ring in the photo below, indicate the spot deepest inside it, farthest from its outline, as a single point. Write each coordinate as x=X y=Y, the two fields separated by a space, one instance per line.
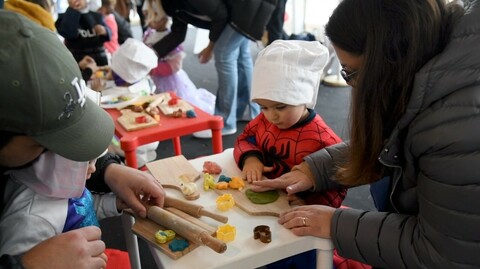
x=304 y=221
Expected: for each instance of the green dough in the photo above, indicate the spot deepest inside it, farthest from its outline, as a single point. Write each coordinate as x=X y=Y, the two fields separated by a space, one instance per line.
x=265 y=197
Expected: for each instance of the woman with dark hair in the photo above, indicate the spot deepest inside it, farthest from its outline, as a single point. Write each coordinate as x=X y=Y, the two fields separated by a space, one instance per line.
x=414 y=68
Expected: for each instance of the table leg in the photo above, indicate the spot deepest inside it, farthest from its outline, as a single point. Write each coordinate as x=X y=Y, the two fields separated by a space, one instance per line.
x=217 y=142
x=177 y=146
x=131 y=241
x=324 y=259
x=131 y=158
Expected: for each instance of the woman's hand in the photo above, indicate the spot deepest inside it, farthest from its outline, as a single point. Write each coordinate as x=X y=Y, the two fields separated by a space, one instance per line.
x=312 y=220
x=293 y=182
x=132 y=186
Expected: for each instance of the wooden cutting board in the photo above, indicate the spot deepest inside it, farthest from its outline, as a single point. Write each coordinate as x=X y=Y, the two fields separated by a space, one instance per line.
x=272 y=209
x=146 y=229
x=170 y=109
x=127 y=120
x=173 y=171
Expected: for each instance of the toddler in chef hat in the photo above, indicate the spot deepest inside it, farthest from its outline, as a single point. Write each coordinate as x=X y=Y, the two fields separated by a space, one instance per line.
x=132 y=63
x=286 y=80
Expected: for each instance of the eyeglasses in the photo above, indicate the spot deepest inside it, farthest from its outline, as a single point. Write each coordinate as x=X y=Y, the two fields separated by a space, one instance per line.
x=347 y=76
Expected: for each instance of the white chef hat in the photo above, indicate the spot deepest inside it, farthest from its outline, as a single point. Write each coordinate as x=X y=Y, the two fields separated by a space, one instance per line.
x=289 y=72
x=133 y=60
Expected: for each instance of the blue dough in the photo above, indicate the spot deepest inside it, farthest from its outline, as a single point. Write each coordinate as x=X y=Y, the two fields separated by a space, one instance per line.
x=191 y=114
x=178 y=245
x=224 y=178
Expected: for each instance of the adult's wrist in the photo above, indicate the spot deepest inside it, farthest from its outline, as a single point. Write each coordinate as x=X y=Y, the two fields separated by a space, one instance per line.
x=305 y=169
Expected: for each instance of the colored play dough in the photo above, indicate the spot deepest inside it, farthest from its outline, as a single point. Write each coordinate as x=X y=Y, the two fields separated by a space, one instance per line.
x=265 y=197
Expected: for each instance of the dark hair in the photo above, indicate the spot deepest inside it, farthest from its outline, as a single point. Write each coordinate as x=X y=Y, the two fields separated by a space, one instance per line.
x=396 y=38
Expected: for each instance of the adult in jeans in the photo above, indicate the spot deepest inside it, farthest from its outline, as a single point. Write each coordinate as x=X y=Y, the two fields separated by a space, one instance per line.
x=43 y=107
x=231 y=24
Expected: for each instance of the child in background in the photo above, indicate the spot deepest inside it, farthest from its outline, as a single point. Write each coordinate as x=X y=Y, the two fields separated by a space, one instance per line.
x=169 y=76
x=131 y=64
x=84 y=31
x=286 y=80
x=106 y=10
x=49 y=198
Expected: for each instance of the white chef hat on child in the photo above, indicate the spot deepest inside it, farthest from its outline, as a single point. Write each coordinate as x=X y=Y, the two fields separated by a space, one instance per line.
x=289 y=72
x=133 y=60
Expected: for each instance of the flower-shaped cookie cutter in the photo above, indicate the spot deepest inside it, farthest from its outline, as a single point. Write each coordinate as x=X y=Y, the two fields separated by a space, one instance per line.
x=226 y=232
x=263 y=233
x=225 y=202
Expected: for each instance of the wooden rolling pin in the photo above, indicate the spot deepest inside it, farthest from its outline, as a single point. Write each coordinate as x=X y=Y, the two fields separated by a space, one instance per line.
x=184 y=228
x=192 y=209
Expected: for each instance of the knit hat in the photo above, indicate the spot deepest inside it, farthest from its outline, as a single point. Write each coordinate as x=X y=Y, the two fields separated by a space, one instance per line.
x=133 y=60
x=42 y=94
x=32 y=11
x=289 y=72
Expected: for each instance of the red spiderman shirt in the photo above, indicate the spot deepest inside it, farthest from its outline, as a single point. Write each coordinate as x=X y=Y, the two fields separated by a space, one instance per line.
x=284 y=148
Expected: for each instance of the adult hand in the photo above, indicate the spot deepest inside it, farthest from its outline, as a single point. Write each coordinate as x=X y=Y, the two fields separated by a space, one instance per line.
x=312 y=220
x=206 y=54
x=77 y=249
x=293 y=182
x=130 y=185
x=253 y=169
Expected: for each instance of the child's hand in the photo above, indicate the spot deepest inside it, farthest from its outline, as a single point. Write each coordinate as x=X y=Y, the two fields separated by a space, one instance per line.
x=100 y=30
x=97 y=84
x=252 y=169
x=87 y=61
x=120 y=204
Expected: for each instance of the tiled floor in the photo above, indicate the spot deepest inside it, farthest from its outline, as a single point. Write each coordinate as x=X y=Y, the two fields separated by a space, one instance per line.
x=332 y=105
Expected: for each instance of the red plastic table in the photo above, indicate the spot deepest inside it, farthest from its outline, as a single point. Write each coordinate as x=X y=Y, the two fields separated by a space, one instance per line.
x=168 y=128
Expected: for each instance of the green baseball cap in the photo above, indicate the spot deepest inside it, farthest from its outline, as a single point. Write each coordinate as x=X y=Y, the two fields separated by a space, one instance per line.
x=42 y=93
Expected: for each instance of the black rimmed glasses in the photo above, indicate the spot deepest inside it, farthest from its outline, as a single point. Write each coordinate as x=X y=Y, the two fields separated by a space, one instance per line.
x=346 y=75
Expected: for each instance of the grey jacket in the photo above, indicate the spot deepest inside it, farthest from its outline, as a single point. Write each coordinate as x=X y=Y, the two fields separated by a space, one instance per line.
x=434 y=154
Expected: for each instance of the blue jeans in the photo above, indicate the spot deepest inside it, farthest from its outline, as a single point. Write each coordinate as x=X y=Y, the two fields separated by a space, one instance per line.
x=233 y=62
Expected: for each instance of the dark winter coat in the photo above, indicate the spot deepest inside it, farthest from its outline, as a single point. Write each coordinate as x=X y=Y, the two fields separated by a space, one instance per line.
x=434 y=156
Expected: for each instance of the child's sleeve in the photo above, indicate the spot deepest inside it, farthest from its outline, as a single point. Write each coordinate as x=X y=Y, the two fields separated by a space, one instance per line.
x=246 y=144
x=67 y=23
x=106 y=205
